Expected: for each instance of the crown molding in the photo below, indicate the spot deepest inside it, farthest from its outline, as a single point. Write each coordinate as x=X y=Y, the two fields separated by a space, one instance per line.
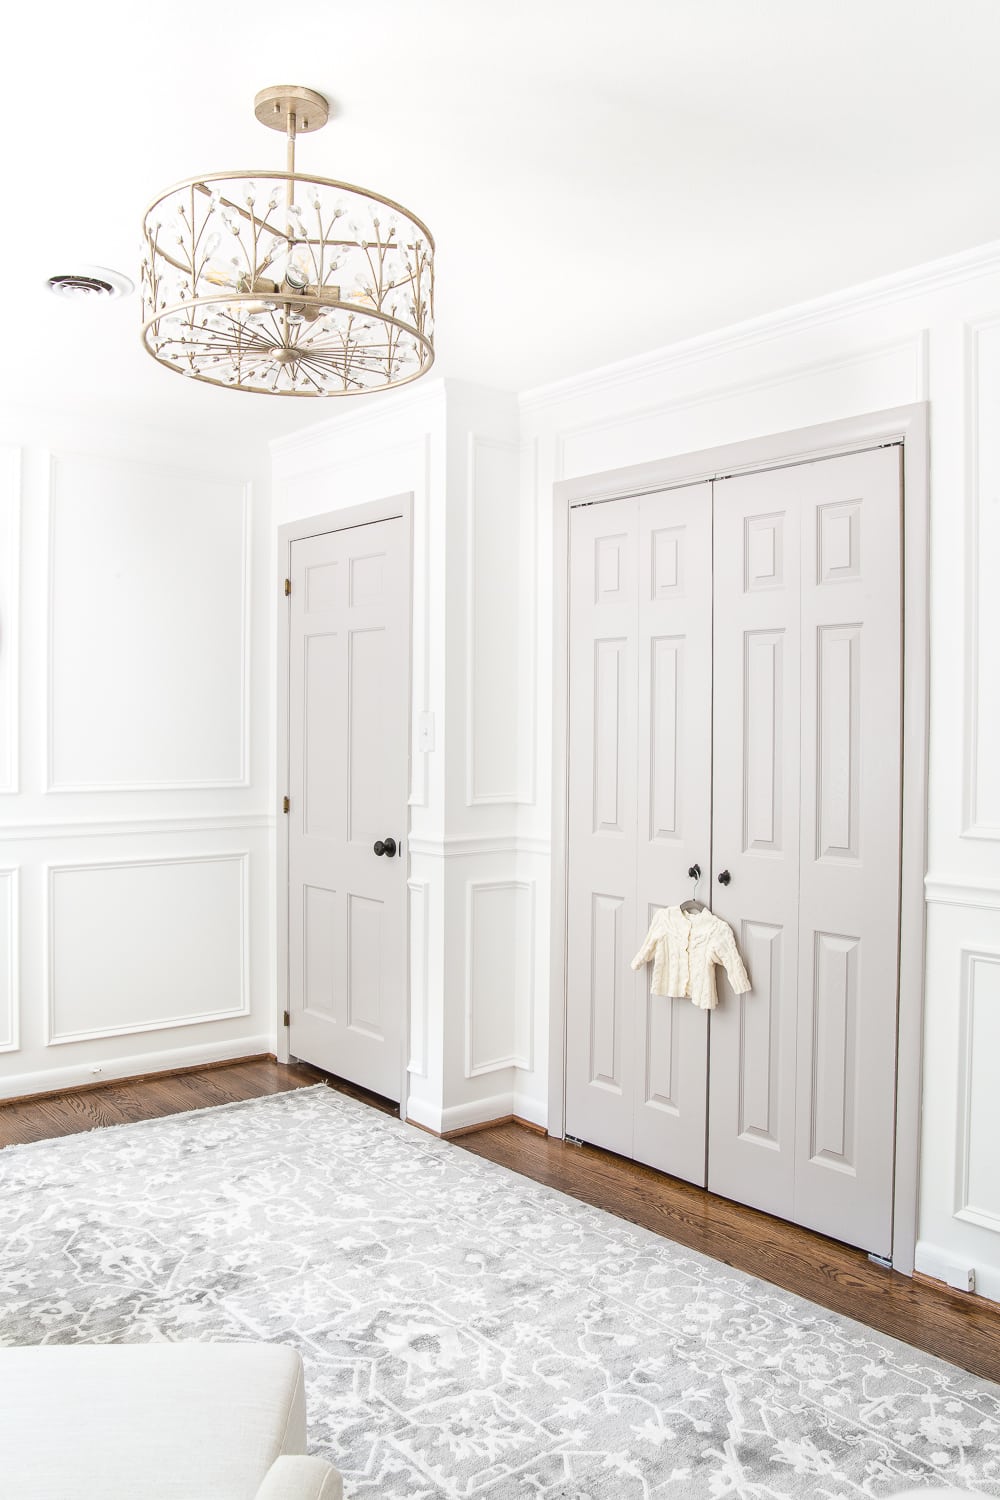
x=932 y=276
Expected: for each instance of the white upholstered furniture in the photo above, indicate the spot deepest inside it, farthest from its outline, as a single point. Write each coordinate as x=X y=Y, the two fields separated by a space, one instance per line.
x=157 y=1421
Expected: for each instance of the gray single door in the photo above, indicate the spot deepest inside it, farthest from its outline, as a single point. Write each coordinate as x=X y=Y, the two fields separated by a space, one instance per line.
x=806 y=821
x=348 y=763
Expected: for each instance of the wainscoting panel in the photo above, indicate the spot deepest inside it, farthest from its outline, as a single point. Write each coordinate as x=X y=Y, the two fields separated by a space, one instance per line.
x=982 y=702
x=9 y=943
x=146 y=945
x=978 y=1186
x=499 y=731
x=148 y=627
x=10 y=508
x=499 y=975
x=419 y=943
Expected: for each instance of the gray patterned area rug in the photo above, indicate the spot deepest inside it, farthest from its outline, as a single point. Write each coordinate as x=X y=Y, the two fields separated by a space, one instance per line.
x=467 y=1332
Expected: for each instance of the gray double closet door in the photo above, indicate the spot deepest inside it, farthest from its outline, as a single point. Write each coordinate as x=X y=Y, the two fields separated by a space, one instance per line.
x=735 y=693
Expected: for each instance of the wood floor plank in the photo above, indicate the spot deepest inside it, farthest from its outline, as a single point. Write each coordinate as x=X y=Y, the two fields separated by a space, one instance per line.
x=123 y=1101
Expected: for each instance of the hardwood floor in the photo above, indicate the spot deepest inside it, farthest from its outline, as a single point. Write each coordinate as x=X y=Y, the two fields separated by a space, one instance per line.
x=36 y=1119
x=956 y=1327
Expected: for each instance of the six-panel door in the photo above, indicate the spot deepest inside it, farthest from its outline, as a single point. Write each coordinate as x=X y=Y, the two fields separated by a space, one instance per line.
x=756 y=793
x=348 y=760
x=640 y=796
x=806 y=820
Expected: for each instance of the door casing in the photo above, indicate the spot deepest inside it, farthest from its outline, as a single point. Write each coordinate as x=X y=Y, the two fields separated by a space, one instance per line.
x=907 y=425
x=392 y=508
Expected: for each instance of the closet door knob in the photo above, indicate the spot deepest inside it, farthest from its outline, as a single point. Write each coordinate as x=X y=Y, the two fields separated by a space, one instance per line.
x=724 y=877
x=385 y=846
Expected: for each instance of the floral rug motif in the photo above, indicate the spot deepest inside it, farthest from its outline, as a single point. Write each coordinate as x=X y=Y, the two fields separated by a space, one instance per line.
x=467 y=1332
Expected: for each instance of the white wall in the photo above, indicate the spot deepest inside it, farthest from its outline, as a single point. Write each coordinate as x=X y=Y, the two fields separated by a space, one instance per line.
x=136 y=887
x=932 y=334
x=496 y=963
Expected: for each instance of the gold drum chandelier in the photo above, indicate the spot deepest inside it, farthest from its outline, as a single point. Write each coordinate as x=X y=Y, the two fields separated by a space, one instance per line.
x=287 y=284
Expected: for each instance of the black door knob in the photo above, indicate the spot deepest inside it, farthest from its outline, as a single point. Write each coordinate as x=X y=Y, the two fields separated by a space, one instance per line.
x=385 y=846
x=724 y=877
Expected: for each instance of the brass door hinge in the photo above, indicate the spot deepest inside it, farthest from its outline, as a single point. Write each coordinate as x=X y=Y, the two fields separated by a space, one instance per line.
x=286 y=1019
x=285 y=805
x=288 y=587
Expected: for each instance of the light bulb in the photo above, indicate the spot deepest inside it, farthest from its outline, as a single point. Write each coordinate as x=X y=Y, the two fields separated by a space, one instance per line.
x=295 y=276
x=221 y=275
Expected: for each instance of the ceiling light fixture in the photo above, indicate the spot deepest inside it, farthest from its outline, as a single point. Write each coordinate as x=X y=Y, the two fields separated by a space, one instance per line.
x=287 y=284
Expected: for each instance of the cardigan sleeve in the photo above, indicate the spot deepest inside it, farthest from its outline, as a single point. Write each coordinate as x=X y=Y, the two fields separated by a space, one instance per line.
x=727 y=954
x=649 y=942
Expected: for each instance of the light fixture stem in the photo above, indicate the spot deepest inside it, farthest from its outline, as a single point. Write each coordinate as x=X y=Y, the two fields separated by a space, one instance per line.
x=289 y=200
x=290 y=155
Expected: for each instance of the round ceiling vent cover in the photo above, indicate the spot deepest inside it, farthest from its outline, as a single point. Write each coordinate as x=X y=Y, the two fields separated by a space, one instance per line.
x=90 y=283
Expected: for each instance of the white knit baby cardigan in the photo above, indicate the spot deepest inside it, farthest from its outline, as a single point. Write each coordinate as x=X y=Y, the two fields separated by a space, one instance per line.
x=685 y=950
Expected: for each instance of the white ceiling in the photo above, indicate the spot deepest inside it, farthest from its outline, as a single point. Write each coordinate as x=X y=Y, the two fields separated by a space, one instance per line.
x=601 y=178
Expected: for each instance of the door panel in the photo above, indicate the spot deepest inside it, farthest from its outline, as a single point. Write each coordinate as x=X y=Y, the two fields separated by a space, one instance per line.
x=813 y=775
x=365 y=946
x=601 y=909
x=606 y=998
x=640 y=774
x=755 y=815
x=318 y=956
x=348 y=760
x=850 y=840
x=674 y=782
x=759 y=1052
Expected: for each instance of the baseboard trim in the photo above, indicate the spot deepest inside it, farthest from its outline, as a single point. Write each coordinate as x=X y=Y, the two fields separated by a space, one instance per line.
x=451 y=1135
x=477 y=1114
x=74 y=1080
x=935 y=1284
